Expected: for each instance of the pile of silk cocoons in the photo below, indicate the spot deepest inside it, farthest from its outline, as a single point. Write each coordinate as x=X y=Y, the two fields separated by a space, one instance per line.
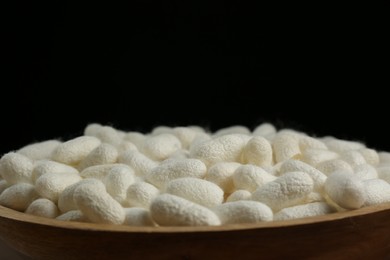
x=188 y=176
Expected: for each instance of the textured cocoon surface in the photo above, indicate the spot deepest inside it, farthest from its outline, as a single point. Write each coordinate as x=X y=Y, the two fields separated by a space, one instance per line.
x=39 y=151
x=307 y=142
x=201 y=138
x=303 y=211
x=185 y=135
x=16 y=168
x=266 y=130
x=92 y=129
x=341 y=146
x=103 y=154
x=287 y=190
x=370 y=155
x=74 y=151
x=51 y=185
x=239 y=195
x=66 y=201
x=384 y=157
x=100 y=171
x=107 y=134
x=180 y=154
x=313 y=197
x=273 y=170
x=258 y=151
x=18 y=196
x=117 y=181
x=43 y=208
x=286 y=146
x=365 y=172
x=136 y=138
x=97 y=205
x=140 y=163
x=3 y=185
x=46 y=166
x=294 y=165
x=239 y=212
x=331 y=166
x=197 y=128
x=315 y=156
x=161 y=146
x=250 y=177
x=377 y=191
x=354 y=158
x=226 y=148
x=170 y=210
x=174 y=169
x=199 y=191
x=346 y=190
x=126 y=146
x=222 y=175
x=141 y=194
x=138 y=217
x=162 y=129
x=73 y=215
x=384 y=173
x=235 y=129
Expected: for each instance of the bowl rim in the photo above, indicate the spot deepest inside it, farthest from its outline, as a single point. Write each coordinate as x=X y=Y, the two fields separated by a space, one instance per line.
x=13 y=215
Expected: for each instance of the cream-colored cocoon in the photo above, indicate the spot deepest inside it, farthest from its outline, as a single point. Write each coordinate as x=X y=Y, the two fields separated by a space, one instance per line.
x=171 y=210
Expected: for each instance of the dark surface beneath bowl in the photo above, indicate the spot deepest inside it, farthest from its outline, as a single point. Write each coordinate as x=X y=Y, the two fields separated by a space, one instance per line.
x=9 y=253
x=359 y=234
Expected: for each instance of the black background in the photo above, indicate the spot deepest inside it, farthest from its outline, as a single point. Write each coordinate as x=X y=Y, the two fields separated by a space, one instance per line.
x=135 y=65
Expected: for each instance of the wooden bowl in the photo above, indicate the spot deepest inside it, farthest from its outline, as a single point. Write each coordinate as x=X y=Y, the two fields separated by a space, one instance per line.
x=358 y=234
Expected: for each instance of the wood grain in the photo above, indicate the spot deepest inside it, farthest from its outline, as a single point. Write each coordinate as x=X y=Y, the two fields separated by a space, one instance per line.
x=358 y=234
